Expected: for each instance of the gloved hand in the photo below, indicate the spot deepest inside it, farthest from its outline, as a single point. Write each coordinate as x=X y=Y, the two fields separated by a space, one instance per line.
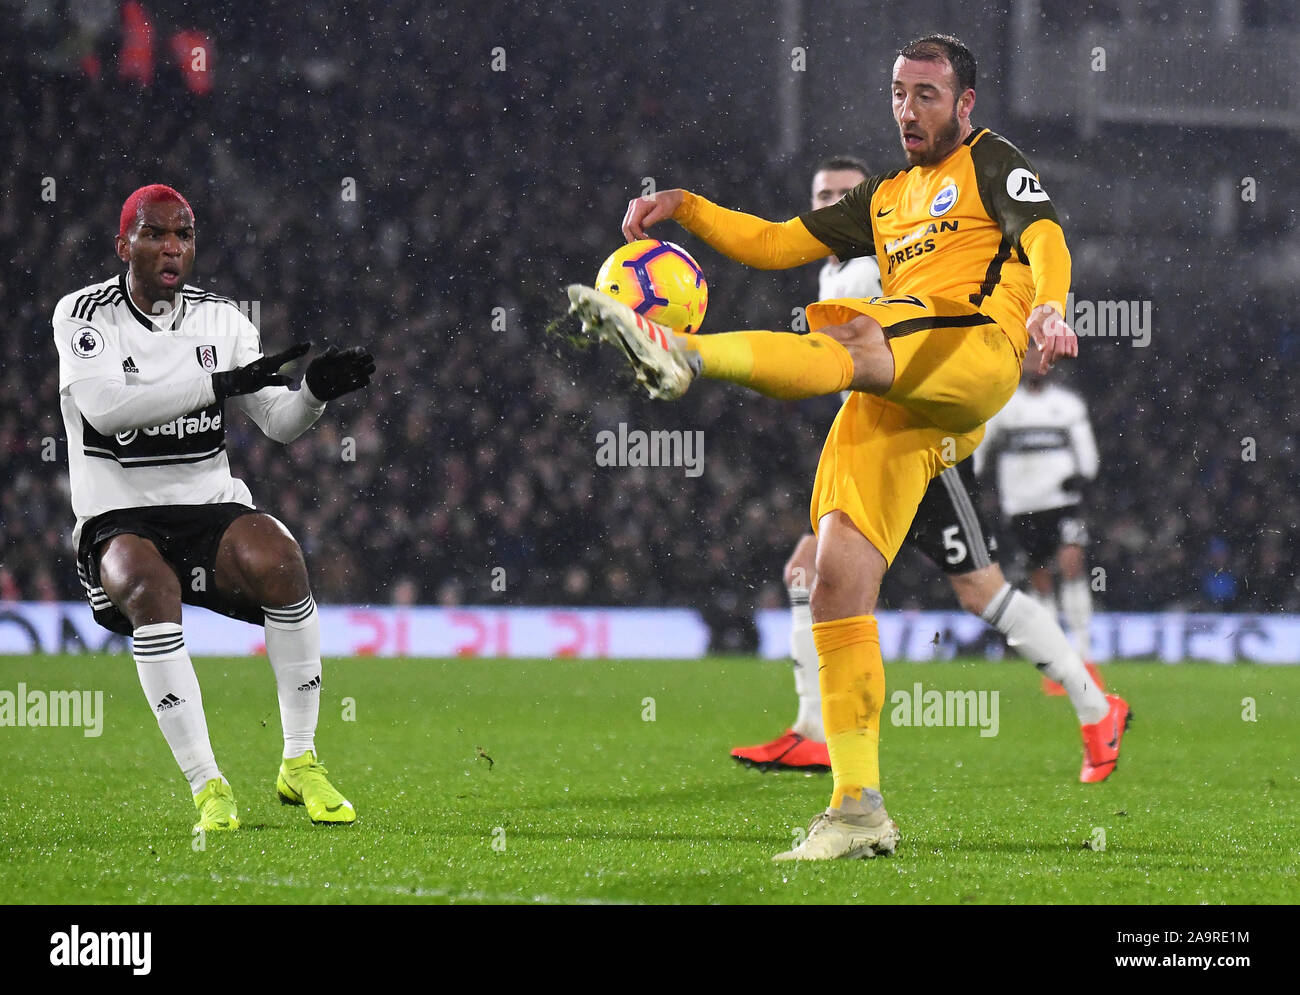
x=1075 y=483
x=333 y=373
x=257 y=374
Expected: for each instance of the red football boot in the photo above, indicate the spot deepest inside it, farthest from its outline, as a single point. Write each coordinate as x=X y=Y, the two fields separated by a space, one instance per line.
x=1101 y=741
x=789 y=751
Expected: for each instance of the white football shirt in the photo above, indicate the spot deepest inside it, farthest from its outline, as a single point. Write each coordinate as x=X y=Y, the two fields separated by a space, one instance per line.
x=165 y=446
x=1041 y=438
x=858 y=277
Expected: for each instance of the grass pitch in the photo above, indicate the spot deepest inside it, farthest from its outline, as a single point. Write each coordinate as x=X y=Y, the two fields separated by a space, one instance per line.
x=611 y=782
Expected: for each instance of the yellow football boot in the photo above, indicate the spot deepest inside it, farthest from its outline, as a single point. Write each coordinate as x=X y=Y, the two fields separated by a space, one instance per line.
x=302 y=781
x=216 y=805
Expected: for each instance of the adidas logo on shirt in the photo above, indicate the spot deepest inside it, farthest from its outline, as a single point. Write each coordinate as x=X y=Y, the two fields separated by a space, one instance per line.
x=169 y=701
x=128 y=365
x=311 y=685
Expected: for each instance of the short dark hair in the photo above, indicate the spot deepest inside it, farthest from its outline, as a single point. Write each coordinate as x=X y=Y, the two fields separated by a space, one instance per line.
x=944 y=48
x=842 y=162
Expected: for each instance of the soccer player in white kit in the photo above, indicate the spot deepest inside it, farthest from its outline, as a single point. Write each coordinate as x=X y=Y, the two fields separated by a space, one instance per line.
x=146 y=366
x=950 y=532
x=1045 y=454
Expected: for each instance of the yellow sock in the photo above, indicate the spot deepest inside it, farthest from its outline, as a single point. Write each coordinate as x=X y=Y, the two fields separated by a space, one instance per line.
x=783 y=365
x=852 y=676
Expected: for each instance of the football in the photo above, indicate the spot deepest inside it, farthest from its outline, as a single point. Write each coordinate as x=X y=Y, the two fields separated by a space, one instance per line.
x=659 y=280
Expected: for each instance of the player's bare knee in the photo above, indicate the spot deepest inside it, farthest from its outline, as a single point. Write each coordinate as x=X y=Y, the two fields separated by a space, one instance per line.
x=827 y=586
x=834 y=599
x=276 y=573
x=144 y=592
x=838 y=590
x=146 y=604
x=824 y=600
x=849 y=570
x=873 y=360
x=261 y=561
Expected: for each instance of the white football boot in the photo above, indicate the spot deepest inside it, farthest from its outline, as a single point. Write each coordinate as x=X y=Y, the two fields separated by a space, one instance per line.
x=662 y=366
x=858 y=828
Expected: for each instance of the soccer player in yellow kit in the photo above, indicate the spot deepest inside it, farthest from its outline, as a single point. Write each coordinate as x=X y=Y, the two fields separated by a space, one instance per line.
x=974 y=264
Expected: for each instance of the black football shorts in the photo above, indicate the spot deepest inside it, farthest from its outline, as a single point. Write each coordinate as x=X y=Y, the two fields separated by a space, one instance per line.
x=948 y=527
x=187 y=536
x=1041 y=533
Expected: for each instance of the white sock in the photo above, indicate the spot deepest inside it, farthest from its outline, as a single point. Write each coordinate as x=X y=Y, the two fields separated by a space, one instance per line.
x=172 y=689
x=1076 y=606
x=807 y=684
x=1032 y=632
x=293 y=647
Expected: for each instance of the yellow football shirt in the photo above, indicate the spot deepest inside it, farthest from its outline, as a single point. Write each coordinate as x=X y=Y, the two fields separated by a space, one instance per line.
x=953 y=230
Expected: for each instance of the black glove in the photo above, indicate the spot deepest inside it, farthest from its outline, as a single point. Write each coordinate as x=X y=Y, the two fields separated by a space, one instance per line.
x=257 y=374
x=333 y=373
x=1075 y=483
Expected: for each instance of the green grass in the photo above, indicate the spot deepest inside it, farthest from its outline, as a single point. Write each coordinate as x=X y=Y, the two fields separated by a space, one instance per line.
x=596 y=805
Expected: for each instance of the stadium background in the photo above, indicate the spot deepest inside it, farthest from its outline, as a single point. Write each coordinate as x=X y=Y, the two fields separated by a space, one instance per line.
x=480 y=189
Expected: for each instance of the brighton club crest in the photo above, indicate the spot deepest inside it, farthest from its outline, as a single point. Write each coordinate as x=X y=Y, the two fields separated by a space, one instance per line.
x=207 y=357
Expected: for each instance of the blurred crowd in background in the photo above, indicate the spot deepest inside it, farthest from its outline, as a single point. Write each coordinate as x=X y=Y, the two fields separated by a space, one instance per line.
x=478 y=195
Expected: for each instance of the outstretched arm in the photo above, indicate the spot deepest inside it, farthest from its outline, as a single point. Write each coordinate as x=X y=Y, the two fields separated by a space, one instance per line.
x=743 y=237
x=112 y=406
x=283 y=414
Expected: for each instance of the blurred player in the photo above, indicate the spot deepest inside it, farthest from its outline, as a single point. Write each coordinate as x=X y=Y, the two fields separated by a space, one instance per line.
x=975 y=263
x=1045 y=452
x=949 y=531
x=146 y=366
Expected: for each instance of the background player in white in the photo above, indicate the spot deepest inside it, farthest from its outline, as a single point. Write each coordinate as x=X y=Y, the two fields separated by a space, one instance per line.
x=1045 y=454
x=949 y=531
x=146 y=364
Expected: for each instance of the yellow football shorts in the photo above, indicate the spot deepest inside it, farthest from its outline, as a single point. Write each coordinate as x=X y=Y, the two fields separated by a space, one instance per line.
x=954 y=368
